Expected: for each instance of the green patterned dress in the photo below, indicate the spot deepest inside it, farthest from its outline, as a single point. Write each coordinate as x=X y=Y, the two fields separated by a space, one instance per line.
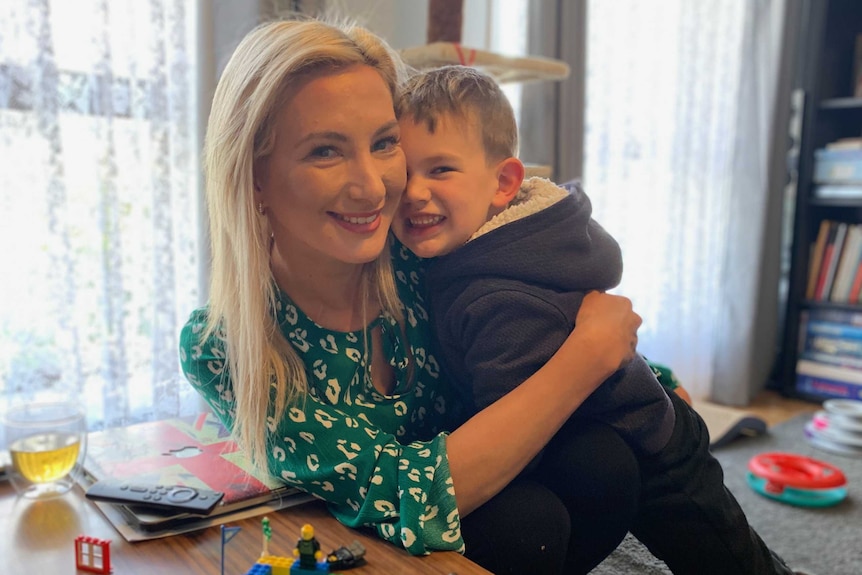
x=377 y=460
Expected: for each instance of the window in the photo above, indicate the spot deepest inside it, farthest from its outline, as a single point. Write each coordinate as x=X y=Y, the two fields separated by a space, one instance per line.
x=99 y=196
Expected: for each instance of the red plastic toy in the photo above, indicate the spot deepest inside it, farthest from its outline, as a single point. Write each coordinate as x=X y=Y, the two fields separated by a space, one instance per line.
x=787 y=469
x=92 y=554
x=796 y=480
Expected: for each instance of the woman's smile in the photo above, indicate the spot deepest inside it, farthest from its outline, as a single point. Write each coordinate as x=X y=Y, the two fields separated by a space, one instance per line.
x=358 y=223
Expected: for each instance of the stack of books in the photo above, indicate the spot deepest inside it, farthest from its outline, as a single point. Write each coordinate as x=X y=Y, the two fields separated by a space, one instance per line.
x=830 y=353
x=194 y=451
x=838 y=170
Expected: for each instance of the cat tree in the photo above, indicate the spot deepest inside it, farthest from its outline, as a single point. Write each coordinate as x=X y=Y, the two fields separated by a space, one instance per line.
x=443 y=47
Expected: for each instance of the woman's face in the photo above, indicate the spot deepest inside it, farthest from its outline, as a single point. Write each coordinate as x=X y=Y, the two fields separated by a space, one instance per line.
x=332 y=183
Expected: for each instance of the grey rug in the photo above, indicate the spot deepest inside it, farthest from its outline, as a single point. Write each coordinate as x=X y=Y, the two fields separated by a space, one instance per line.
x=825 y=541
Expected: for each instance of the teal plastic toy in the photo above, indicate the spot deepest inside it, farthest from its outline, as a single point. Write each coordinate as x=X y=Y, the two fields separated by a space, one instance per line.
x=796 y=479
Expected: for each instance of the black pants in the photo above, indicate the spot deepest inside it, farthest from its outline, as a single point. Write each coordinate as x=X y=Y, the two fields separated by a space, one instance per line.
x=688 y=518
x=576 y=504
x=567 y=514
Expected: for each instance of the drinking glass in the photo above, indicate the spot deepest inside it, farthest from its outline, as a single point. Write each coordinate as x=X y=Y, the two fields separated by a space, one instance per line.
x=47 y=444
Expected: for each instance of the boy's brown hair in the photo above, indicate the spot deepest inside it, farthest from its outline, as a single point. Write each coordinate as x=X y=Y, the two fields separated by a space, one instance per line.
x=465 y=93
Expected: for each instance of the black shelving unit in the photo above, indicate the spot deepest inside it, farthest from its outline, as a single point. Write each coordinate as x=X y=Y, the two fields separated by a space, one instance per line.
x=828 y=30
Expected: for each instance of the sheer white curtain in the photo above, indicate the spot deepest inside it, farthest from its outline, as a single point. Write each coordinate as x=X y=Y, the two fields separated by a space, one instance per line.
x=680 y=100
x=98 y=196
x=678 y=153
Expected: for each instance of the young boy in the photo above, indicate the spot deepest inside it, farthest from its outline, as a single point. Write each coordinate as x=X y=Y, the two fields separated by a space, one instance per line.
x=512 y=262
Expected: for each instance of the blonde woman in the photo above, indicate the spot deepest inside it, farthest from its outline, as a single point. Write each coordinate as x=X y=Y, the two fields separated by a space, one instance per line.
x=315 y=348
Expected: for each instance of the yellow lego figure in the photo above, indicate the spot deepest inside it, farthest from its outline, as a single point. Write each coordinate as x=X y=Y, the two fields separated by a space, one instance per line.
x=308 y=549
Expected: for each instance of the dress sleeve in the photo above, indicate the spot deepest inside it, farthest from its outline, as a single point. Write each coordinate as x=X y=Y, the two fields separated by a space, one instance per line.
x=664 y=374
x=363 y=473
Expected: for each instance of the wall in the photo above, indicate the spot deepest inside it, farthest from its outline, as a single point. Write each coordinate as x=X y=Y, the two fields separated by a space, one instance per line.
x=404 y=23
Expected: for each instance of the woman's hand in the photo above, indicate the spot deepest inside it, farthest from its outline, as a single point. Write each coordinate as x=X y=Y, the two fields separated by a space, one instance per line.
x=606 y=326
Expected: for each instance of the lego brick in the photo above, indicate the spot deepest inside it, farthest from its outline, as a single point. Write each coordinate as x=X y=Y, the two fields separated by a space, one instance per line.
x=93 y=554
x=259 y=569
x=280 y=565
x=297 y=570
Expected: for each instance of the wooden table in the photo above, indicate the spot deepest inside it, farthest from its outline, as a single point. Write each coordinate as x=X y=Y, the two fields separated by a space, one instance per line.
x=37 y=537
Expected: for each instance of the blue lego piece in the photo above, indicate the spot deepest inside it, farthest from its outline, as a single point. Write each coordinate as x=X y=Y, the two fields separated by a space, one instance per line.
x=322 y=567
x=259 y=569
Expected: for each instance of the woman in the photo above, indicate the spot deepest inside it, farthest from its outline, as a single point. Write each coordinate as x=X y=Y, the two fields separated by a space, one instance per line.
x=315 y=347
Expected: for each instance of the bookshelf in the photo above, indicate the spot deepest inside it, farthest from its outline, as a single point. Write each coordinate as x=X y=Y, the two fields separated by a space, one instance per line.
x=829 y=111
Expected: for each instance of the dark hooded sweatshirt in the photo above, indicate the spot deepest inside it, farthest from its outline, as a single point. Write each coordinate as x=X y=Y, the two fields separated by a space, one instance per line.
x=505 y=301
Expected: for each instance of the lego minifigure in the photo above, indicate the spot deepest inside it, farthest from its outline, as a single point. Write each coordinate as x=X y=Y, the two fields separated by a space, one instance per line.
x=308 y=549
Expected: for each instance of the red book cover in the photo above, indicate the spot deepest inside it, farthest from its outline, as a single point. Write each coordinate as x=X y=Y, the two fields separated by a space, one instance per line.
x=856 y=287
x=834 y=258
x=195 y=451
x=830 y=255
x=824 y=271
x=817 y=250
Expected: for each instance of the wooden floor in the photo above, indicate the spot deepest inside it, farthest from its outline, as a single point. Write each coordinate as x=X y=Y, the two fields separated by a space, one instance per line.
x=775 y=408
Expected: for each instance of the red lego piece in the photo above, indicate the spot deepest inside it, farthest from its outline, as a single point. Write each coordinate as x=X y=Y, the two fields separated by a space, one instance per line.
x=93 y=554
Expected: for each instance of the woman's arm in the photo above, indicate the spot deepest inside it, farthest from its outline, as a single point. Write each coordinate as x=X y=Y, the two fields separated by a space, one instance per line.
x=491 y=448
x=366 y=475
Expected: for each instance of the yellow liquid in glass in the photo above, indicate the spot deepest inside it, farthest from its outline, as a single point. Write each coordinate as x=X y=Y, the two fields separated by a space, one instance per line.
x=45 y=457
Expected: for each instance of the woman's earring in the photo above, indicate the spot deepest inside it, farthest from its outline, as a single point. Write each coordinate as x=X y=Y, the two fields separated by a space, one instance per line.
x=260 y=209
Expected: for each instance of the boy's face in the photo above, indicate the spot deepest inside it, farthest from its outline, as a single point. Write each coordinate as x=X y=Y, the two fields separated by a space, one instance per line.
x=451 y=189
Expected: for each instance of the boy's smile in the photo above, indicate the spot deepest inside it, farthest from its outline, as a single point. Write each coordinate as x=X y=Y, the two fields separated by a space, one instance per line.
x=451 y=187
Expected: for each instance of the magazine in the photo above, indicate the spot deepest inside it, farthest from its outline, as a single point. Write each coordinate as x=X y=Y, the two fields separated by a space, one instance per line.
x=194 y=451
x=728 y=423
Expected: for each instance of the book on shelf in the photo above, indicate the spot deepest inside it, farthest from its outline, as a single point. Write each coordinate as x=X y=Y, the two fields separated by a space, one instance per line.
x=826 y=380
x=829 y=338
x=830 y=324
x=848 y=262
x=816 y=258
x=826 y=388
x=845 y=351
x=856 y=286
x=838 y=191
x=857 y=67
x=822 y=259
x=835 y=260
x=854 y=143
x=837 y=318
x=837 y=166
x=829 y=363
x=834 y=244
x=832 y=330
x=834 y=353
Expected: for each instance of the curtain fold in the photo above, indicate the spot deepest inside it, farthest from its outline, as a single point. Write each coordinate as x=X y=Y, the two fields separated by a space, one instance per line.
x=748 y=329
x=99 y=193
x=677 y=158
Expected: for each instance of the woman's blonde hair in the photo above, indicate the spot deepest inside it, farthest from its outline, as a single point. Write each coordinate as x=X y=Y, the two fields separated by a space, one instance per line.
x=252 y=88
